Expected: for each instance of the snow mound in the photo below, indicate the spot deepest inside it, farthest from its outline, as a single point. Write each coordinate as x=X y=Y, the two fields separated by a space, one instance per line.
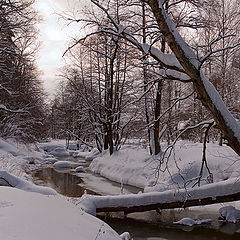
x=7 y=179
x=80 y=154
x=127 y=166
x=50 y=160
x=125 y=236
x=9 y=148
x=62 y=164
x=59 y=152
x=92 y=155
x=190 y=222
x=26 y=215
x=79 y=169
x=230 y=214
x=134 y=166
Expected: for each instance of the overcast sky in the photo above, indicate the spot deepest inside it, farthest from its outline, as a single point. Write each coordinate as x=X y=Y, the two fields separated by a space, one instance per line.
x=54 y=35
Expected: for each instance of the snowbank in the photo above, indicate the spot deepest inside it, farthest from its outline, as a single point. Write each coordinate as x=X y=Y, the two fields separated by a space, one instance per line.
x=30 y=214
x=79 y=169
x=53 y=144
x=10 y=180
x=27 y=215
x=50 y=160
x=88 y=156
x=230 y=214
x=135 y=167
x=62 y=164
x=128 y=166
x=17 y=158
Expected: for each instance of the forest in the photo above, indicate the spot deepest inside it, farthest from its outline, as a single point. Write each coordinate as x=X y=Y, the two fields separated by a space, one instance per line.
x=143 y=81
x=123 y=78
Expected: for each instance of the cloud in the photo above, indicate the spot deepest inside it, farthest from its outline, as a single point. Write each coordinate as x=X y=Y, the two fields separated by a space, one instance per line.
x=54 y=35
x=50 y=78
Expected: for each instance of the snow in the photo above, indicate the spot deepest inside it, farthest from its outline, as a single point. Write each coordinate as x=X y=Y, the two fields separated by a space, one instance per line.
x=230 y=214
x=59 y=152
x=88 y=156
x=29 y=211
x=93 y=154
x=79 y=169
x=7 y=178
x=218 y=102
x=190 y=222
x=188 y=52
x=26 y=215
x=50 y=160
x=168 y=59
x=49 y=146
x=125 y=236
x=174 y=74
x=90 y=203
x=134 y=166
x=15 y=158
x=127 y=166
x=62 y=164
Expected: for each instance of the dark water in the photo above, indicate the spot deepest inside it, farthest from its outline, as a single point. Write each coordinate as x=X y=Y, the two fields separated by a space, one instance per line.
x=157 y=231
x=62 y=181
x=67 y=183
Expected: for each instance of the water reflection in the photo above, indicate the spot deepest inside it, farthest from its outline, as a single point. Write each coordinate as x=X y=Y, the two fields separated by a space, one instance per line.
x=62 y=181
x=156 y=231
x=68 y=184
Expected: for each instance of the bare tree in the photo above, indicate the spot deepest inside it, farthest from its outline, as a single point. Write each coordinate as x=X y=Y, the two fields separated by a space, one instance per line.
x=22 y=110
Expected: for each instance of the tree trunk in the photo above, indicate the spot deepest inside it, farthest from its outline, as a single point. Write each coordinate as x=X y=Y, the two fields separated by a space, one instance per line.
x=205 y=90
x=157 y=112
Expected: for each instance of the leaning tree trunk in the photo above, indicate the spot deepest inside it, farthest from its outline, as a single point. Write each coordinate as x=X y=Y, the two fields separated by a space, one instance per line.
x=205 y=90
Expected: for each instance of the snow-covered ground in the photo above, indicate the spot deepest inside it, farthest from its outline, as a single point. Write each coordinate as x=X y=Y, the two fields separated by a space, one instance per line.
x=18 y=158
x=134 y=166
x=33 y=216
x=31 y=212
x=131 y=165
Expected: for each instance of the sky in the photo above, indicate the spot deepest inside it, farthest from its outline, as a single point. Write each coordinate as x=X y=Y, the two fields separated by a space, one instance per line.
x=54 y=35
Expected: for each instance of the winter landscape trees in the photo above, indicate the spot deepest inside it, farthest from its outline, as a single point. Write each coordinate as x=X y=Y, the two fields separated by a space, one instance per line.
x=137 y=39
x=139 y=76
x=21 y=99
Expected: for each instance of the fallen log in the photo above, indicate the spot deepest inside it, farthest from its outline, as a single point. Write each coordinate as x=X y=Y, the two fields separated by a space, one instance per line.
x=172 y=205
x=225 y=191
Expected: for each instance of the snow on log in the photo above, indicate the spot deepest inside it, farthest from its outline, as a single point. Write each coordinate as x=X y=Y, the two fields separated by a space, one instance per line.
x=225 y=191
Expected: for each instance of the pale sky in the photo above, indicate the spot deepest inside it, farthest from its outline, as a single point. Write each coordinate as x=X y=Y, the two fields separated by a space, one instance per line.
x=54 y=34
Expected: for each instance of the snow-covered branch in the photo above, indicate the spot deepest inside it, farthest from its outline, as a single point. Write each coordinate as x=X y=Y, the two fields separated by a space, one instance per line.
x=214 y=51
x=191 y=64
x=4 y=108
x=5 y=89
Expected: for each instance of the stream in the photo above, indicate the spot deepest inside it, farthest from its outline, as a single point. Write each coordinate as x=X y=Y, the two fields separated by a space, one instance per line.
x=142 y=226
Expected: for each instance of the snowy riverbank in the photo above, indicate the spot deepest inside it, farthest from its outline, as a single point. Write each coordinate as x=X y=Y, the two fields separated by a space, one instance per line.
x=29 y=212
x=28 y=216
x=134 y=166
